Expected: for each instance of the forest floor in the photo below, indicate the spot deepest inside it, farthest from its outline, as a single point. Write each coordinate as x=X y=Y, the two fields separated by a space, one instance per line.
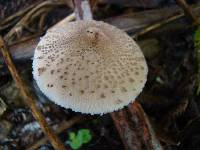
x=169 y=98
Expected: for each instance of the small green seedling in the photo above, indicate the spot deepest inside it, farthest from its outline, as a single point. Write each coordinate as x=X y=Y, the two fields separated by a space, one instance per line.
x=159 y=80
x=83 y=137
x=197 y=47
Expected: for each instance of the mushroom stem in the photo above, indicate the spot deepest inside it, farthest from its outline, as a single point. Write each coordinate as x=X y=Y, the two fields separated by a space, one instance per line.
x=82 y=10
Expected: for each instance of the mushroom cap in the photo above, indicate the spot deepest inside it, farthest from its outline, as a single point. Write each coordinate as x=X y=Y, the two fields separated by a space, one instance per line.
x=90 y=67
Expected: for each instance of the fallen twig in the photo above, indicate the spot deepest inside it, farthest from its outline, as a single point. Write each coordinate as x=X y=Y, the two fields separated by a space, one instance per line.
x=24 y=49
x=62 y=126
x=156 y=25
x=29 y=100
x=136 y=23
x=187 y=10
x=159 y=24
x=41 y=8
x=11 y=20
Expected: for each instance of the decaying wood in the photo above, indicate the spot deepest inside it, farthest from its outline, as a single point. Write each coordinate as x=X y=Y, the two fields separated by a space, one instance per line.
x=29 y=100
x=23 y=50
x=134 y=128
x=137 y=23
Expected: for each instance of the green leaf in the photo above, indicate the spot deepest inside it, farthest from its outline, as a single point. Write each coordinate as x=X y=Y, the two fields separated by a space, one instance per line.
x=197 y=35
x=72 y=136
x=197 y=48
x=83 y=137
x=75 y=144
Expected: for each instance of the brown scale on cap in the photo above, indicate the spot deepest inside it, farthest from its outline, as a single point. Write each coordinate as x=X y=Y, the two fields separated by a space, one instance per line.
x=41 y=70
x=93 y=66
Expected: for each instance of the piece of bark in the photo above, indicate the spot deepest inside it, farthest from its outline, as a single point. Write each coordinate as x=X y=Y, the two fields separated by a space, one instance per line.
x=134 y=128
x=25 y=49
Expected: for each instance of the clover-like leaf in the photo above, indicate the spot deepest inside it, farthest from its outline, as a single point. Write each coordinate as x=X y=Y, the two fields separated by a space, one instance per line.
x=74 y=142
x=83 y=137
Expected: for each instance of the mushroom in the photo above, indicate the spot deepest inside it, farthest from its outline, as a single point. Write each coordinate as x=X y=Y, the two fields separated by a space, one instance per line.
x=90 y=67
